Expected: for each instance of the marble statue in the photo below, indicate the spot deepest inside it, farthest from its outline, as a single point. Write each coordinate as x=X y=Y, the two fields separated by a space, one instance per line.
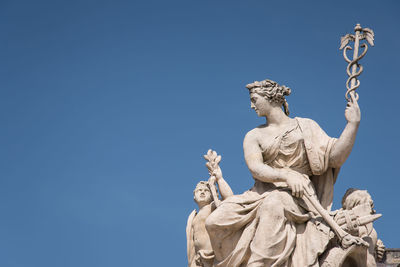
x=272 y=224
x=199 y=250
x=285 y=219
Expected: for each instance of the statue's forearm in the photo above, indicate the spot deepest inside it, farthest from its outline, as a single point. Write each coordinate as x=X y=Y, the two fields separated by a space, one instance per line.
x=224 y=188
x=343 y=146
x=265 y=173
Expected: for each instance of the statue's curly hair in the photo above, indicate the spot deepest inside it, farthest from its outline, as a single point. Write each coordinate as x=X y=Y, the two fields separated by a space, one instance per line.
x=354 y=197
x=272 y=91
x=202 y=183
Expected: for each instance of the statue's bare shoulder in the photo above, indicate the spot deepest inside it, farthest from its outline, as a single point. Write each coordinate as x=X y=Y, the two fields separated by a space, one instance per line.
x=254 y=134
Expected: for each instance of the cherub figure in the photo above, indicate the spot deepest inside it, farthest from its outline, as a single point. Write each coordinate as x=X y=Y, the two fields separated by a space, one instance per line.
x=356 y=217
x=199 y=250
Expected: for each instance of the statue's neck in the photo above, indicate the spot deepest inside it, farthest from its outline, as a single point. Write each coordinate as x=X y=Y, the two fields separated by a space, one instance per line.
x=276 y=117
x=202 y=205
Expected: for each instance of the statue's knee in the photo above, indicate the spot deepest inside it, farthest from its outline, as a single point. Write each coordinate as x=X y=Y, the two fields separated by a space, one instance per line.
x=217 y=219
x=212 y=222
x=271 y=207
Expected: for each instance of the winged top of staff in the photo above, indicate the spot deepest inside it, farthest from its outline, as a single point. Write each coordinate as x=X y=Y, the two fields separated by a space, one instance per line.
x=364 y=34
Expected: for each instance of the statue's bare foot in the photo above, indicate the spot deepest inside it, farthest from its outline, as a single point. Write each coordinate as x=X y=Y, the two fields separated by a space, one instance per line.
x=349 y=240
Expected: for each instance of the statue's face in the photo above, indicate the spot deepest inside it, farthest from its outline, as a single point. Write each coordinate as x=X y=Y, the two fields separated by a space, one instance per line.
x=202 y=194
x=260 y=104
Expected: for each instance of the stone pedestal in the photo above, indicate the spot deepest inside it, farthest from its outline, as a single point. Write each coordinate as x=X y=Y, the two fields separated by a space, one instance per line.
x=391 y=258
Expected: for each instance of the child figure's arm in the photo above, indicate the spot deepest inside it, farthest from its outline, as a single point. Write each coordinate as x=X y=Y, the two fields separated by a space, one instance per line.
x=224 y=188
x=216 y=174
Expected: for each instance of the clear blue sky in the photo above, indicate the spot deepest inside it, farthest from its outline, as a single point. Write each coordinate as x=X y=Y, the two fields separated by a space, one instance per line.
x=106 y=108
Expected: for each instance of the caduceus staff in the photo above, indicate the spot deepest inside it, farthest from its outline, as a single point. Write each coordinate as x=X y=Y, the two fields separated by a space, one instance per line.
x=354 y=69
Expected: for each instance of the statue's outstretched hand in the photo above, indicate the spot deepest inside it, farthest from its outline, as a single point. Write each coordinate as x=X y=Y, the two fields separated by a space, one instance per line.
x=352 y=112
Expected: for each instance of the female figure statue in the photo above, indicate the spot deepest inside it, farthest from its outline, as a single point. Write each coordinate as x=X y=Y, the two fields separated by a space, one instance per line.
x=271 y=224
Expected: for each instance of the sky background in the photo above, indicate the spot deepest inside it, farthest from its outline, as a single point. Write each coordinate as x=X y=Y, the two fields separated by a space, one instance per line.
x=107 y=107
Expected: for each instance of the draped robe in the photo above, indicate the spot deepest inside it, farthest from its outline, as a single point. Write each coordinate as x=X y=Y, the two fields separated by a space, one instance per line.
x=266 y=225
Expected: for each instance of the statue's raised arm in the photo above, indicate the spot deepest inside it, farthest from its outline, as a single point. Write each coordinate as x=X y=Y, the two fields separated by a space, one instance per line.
x=343 y=146
x=213 y=160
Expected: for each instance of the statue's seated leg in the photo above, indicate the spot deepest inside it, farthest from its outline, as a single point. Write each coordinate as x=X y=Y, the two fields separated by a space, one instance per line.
x=275 y=237
x=224 y=226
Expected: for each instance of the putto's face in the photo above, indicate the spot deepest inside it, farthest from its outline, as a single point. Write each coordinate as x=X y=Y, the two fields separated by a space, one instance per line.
x=202 y=194
x=260 y=104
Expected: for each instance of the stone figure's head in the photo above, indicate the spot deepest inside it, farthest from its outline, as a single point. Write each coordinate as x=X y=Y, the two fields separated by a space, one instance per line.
x=202 y=193
x=266 y=94
x=355 y=197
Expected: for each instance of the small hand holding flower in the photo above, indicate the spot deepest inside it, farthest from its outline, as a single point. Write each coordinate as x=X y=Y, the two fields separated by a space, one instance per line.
x=217 y=172
x=213 y=164
x=212 y=180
